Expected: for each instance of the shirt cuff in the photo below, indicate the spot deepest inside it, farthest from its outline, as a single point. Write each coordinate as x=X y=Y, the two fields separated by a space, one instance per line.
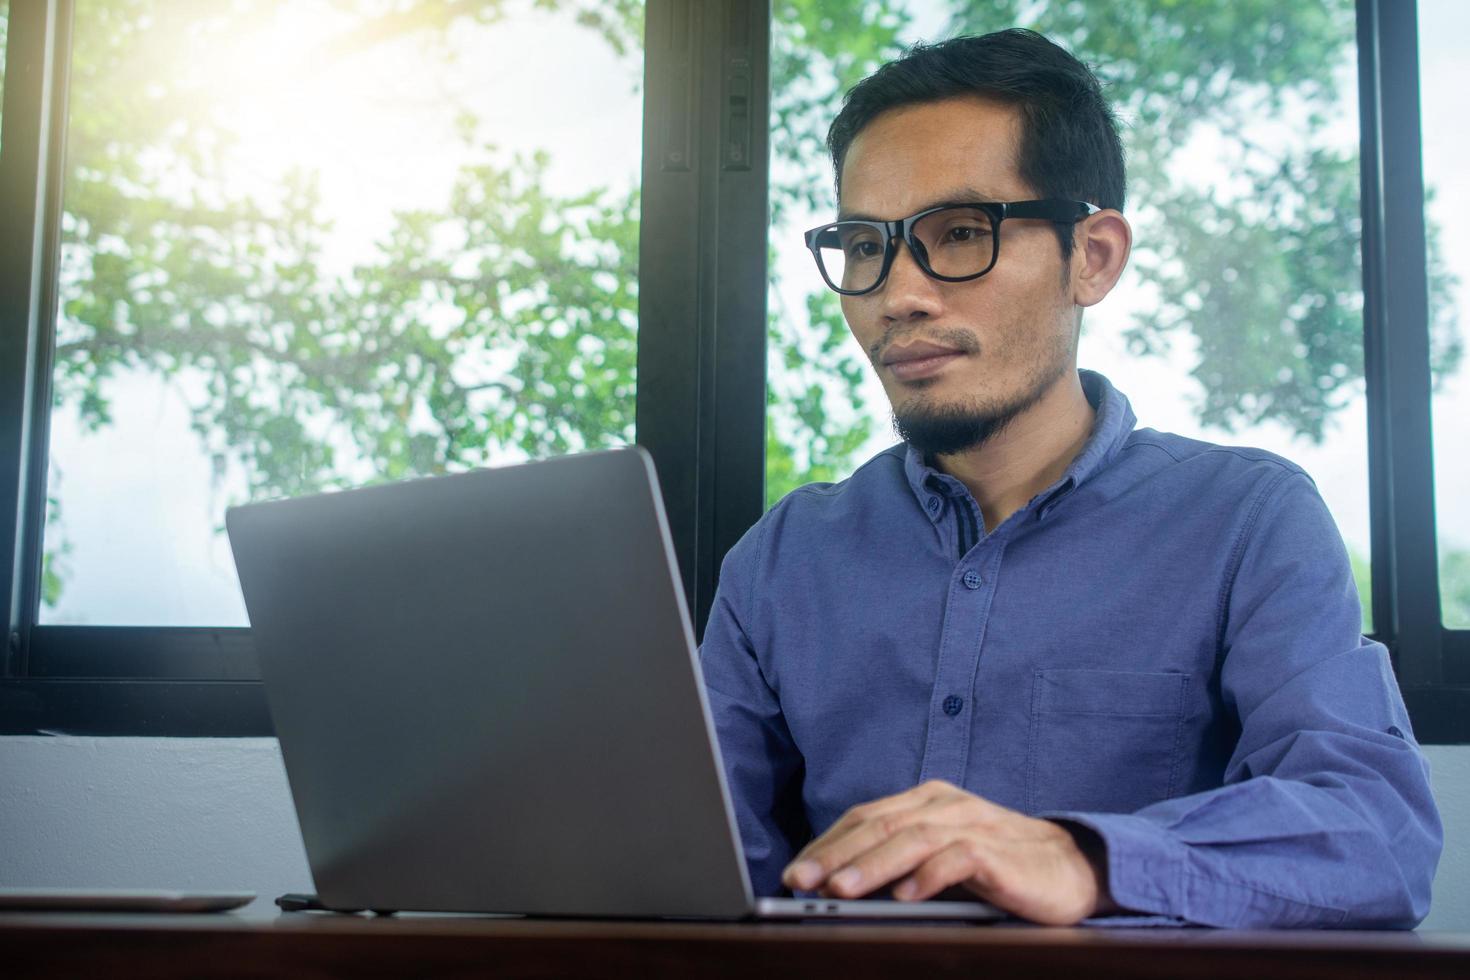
x=1150 y=871
x=1146 y=867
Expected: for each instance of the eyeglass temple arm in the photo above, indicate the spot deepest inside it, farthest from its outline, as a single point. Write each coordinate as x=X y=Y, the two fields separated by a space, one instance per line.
x=1051 y=210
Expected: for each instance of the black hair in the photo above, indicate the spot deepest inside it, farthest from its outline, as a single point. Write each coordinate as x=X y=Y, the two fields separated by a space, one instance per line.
x=1069 y=137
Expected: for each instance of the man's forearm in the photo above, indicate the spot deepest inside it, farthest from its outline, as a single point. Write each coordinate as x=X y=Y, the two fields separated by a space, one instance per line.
x=1265 y=853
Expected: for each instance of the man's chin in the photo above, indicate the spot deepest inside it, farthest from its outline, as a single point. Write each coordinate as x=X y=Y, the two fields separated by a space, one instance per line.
x=946 y=430
x=943 y=427
x=943 y=416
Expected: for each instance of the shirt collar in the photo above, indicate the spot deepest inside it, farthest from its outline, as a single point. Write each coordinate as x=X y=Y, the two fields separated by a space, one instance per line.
x=1113 y=423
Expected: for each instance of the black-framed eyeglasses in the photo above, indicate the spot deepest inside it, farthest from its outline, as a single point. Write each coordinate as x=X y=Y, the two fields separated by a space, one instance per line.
x=951 y=243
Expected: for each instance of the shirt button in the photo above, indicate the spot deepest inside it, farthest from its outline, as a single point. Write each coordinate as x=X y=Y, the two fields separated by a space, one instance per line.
x=973 y=580
x=934 y=505
x=952 y=705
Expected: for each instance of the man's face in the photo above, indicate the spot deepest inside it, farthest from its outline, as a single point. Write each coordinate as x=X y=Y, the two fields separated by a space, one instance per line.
x=1001 y=340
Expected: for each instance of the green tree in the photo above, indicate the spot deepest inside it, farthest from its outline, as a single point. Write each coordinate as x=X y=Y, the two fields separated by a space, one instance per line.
x=299 y=364
x=815 y=412
x=1261 y=273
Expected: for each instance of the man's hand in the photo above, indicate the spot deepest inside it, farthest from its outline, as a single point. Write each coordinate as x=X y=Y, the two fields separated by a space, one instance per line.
x=937 y=835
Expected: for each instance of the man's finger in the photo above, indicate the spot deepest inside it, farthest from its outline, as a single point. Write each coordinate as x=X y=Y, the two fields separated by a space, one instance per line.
x=892 y=858
x=860 y=828
x=867 y=827
x=956 y=863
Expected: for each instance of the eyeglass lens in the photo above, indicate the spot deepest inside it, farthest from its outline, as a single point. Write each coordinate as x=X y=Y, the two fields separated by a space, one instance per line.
x=956 y=242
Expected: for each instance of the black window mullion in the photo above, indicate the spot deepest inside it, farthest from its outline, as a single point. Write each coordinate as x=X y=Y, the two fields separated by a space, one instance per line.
x=30 y=167
x=142 y=653
x=199 y=709
x=1456 y=653
x=702 y=275
x=1396 y=333
x=1380 y=495
x=740 y=336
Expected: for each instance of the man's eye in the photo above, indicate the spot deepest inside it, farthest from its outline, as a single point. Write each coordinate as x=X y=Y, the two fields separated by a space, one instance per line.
x=863 y=250
x=963 y=233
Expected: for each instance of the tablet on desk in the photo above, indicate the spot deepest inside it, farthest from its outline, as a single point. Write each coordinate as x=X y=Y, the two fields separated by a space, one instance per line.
x=118 y=900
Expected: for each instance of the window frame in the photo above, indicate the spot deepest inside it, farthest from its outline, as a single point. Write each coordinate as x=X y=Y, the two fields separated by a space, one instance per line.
x=1431 y=661
x=701 y=369
x=705 y=151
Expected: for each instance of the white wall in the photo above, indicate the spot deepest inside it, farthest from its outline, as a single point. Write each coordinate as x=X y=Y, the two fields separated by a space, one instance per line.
x=202 y=813
x=149 y=813
x=1449 y=767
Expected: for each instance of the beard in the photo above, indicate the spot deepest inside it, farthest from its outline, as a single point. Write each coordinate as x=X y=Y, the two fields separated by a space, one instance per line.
x=946 y=429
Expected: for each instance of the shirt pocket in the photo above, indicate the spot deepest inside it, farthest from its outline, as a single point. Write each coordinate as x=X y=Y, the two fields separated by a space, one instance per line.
x=1103 y=740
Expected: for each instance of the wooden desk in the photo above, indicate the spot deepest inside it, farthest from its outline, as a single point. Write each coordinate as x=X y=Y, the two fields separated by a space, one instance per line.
x=310 y=944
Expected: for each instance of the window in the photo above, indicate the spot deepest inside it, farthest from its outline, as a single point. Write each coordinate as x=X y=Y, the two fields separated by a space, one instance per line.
x=1442 y=75
x=292 y=247
x=313 y=245
x=241 y=286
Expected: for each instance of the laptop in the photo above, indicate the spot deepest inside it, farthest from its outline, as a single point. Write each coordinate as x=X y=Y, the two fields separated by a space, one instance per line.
x=488 y=699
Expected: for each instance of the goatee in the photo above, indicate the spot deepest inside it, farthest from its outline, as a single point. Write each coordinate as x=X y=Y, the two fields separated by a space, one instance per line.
x=943 y=430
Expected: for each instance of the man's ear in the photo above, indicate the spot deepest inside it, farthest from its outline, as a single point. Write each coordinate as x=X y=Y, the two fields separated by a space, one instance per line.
x=1101 y=246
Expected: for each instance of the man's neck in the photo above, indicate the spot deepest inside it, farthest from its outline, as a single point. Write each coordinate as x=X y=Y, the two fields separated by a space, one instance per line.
x=1027 y=456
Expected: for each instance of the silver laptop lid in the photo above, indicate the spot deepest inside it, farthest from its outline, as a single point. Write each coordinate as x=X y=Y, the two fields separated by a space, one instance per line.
x=486 y=694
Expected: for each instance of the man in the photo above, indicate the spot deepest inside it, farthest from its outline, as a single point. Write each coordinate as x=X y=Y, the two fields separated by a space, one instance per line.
x=1069 y=666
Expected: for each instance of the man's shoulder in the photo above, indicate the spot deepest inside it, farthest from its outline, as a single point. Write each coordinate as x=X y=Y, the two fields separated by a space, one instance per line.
x=876 y=480
x=1155 y=451
x=810 y=514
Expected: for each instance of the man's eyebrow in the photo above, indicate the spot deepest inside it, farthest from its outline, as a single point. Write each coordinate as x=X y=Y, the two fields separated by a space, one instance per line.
x=965 y=195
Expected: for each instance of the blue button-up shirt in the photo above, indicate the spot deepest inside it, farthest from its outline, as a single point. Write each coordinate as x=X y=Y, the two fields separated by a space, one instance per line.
x=1164 y=646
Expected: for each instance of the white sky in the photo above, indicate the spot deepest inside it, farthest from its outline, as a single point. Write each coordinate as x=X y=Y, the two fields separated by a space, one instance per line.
x=1445 y=75
x=139 y=513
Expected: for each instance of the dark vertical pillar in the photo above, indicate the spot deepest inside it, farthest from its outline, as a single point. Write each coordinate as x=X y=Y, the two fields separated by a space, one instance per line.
x=702 y=275
x=1396 y=342
x=30 y=164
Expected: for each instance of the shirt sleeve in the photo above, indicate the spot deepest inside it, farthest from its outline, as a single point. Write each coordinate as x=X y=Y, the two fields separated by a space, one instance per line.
x=1325 y=818
x=762 y=765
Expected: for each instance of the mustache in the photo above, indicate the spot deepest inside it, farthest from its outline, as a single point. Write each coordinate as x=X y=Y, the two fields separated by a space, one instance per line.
x=957 y=337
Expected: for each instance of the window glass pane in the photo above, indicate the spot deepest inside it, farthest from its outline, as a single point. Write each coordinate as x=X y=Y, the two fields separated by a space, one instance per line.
x=318 y=243
x=1240 y=318
x=1441 y=70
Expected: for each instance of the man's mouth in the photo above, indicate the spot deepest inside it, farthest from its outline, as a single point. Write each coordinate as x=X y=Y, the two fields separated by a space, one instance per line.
x=919 y=359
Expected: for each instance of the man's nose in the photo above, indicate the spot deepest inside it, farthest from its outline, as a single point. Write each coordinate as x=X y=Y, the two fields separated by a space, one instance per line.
x=908 y=293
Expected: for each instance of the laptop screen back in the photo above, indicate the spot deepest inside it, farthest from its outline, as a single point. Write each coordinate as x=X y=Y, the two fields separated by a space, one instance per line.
x=485 y=691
